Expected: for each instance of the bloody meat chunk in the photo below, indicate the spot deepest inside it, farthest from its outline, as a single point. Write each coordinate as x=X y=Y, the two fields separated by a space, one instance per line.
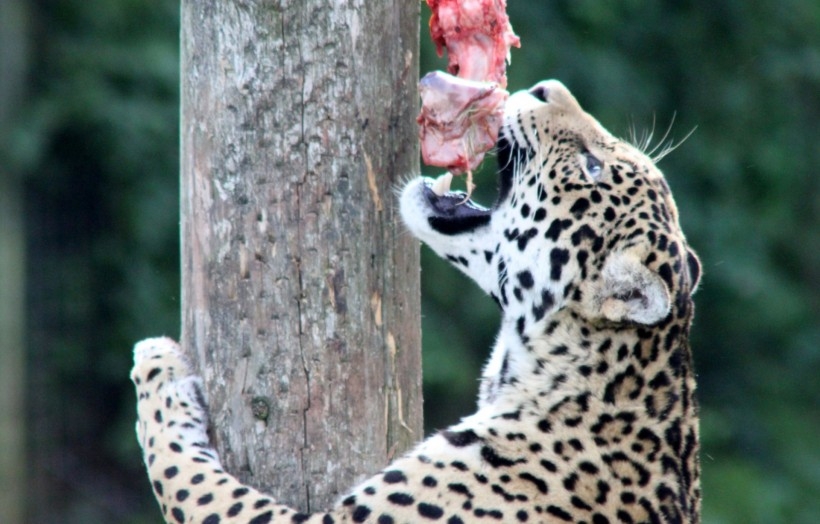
x=460 y=115
x=459 y=120
x=477 y=35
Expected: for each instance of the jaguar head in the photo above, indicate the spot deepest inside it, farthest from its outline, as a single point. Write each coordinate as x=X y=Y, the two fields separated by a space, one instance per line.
x=583 y=221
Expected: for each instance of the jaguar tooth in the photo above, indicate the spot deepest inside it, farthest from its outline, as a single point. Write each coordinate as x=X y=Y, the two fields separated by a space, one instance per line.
x=442 y=184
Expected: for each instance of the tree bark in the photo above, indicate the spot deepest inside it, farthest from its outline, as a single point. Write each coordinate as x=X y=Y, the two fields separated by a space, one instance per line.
x=300 y=287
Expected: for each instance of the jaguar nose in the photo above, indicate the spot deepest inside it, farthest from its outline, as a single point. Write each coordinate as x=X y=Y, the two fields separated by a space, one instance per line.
x=540 y=91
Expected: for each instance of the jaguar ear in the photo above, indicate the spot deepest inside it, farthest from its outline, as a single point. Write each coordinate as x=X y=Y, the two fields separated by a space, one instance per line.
x=630 y=291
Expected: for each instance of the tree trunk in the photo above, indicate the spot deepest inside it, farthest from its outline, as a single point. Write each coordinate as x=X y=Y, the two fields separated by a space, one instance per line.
x=300 y=287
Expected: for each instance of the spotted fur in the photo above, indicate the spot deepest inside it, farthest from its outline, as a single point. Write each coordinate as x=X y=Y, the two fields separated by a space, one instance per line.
x=586 y=410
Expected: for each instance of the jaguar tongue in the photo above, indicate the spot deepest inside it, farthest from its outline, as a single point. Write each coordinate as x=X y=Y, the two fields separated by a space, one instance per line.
x=442 y=184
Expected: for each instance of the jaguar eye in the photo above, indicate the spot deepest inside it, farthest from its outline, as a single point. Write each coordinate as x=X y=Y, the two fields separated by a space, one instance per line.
x=594 y=166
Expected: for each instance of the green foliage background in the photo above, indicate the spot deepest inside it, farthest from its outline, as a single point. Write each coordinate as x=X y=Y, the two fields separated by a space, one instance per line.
x=97 y=140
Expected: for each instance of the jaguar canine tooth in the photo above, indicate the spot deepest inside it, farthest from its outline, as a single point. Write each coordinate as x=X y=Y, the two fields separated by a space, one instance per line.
x=442 y=184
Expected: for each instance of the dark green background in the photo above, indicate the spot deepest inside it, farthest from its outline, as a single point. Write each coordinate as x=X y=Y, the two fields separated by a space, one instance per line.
x=96 y=144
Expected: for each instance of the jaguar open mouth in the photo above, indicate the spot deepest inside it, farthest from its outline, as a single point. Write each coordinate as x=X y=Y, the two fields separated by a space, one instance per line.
x=453 y=212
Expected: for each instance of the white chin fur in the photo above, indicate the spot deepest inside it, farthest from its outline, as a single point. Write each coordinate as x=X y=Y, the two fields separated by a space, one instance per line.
x=413 y=207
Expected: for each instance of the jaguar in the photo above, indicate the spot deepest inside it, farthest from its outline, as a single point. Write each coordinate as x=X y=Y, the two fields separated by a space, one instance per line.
x=586 y=406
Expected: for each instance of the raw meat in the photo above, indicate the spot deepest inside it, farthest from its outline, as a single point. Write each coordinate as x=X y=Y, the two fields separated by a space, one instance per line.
x=459 y=120
x=460 y=116
x=477 y=35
